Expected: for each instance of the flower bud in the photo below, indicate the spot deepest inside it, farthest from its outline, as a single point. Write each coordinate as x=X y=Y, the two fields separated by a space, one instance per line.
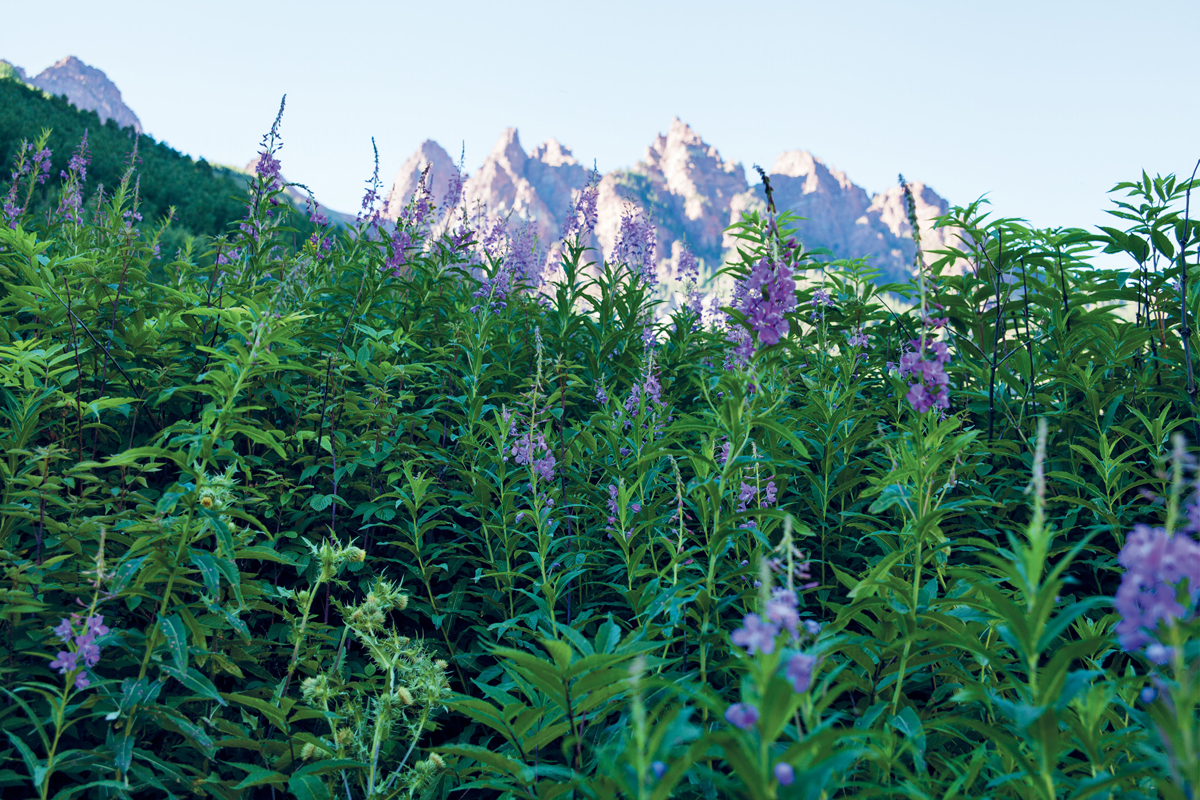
x=405 y=695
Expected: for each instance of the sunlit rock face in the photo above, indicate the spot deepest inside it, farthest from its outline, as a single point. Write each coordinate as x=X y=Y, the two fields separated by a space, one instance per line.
x=441 y=173
x=87 y=88
x=692 y=194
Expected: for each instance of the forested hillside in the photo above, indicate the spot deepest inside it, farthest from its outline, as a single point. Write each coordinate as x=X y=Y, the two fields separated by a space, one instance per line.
x=206 y=198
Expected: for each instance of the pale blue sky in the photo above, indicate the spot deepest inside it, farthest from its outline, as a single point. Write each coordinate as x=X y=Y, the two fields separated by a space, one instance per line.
x=1042 y=105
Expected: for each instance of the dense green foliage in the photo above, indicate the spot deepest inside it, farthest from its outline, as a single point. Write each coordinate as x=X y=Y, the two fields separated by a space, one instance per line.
x=359 y=529
x=206 y=199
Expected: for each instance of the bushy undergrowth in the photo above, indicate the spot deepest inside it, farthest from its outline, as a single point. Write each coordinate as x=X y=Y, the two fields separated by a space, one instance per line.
x=386 y=515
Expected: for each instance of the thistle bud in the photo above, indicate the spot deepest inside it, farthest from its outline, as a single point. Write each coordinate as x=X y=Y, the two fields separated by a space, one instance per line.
x=206 y=501
x=307 y=751
x=405 y=695
x=441 y=664
x=437 y=760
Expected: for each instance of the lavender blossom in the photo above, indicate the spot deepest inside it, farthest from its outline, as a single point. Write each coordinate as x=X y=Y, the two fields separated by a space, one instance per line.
x=742 y=715
x=755 y=635
x=764 y=296
x=636 y=245
x=70 y=206
x=1156 y=563
x=583 y=216
x=782 y=610
x=613 y=490
x=931 y=388
x=799 y=671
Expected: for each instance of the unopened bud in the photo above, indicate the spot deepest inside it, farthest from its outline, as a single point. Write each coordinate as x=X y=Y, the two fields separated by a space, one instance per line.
x=437 y=760
x=405 y=695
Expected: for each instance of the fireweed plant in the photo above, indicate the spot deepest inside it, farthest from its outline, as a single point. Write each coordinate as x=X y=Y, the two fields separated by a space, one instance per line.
x=423 y=505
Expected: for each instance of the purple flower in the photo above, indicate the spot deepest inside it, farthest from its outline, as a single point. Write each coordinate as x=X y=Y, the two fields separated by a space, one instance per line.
x=931 y=388
x=268 y=166
x=1155 y=564
x=1148 y=694
x=742 y=715
x=315 y=215
x=781 y=610
x=601 y=395
x=636 y=245
x=659 y=769
x=63 y=631
x=66 y=662
x=800 y=670
x=812 y=626
x=784 y=773
x=613 y=490
x=81 y=681
x=1160 y=654
x=764 y=296
x=583 y=215
x=755 y=635
x=89 y=652
x=821 y=299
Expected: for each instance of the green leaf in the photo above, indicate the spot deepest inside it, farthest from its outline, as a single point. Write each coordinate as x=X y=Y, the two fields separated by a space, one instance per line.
x=259 y=776
x=308 y=787
x=176 y=634
x=32 y=764
x=274 y=714
x=196 y=682
x=328 y=765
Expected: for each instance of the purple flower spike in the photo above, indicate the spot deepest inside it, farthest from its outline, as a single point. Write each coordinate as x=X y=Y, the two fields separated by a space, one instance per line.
x=1155 y=562
x=742 y=715
x=781 y=610
x=784 y=773
x=755 y=635
x=800 y=670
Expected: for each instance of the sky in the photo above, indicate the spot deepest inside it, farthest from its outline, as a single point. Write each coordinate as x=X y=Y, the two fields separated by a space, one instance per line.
x=1041 y=106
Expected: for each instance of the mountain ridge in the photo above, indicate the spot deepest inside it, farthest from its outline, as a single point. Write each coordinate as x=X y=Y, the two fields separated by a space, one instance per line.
x=692 y=194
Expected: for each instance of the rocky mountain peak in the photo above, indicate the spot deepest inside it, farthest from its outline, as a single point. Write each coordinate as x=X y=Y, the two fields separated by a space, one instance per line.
x=692 y=194
x=88 y=89
x=553 y=154
x=442 y=171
